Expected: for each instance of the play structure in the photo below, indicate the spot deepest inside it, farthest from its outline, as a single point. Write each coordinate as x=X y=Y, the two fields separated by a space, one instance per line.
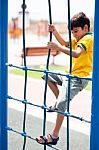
x=4 y=96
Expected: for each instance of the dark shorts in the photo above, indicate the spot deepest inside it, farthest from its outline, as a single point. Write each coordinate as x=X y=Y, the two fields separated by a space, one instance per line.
x=54 y=78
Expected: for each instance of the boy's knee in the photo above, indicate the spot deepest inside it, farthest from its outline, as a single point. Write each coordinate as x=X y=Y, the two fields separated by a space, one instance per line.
x=61 y=106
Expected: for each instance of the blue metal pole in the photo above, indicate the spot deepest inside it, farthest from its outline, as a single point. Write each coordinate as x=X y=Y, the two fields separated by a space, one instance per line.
x=94 y=136
x=3 y=73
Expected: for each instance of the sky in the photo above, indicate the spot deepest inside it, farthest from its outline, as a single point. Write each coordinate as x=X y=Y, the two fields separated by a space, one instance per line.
x=38 y=9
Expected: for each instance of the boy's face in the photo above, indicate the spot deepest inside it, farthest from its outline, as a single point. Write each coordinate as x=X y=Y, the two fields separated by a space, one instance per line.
x=78 y=32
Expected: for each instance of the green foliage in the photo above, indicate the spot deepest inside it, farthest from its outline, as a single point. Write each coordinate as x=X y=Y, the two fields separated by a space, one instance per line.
x=35 y=74
x=89 y=86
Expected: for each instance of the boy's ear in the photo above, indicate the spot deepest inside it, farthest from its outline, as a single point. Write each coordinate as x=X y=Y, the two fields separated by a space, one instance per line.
x=86 y=27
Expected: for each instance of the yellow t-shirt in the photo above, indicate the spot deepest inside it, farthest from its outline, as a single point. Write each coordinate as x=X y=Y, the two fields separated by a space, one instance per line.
x=82 y=66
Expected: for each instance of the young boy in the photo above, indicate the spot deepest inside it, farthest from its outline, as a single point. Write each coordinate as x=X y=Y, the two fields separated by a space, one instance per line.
x=82 y=47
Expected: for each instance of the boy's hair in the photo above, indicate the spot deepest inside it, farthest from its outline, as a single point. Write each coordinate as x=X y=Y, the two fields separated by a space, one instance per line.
x=80 y=20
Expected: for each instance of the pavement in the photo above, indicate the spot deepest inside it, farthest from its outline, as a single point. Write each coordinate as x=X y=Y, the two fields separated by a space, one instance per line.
x=80 y=106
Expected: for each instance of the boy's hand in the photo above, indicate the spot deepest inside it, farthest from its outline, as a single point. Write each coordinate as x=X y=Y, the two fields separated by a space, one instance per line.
x=52 y=45
x=51 y=28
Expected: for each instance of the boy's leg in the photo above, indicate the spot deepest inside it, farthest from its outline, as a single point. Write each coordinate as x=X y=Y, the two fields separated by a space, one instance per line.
x=76 y=86
x=53 y=82
x=59 y=121
x=53 y=86
x=54 y=135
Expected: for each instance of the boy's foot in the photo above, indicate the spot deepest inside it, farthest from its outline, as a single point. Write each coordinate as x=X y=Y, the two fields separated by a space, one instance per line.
x=47 y=140
x=52 y=109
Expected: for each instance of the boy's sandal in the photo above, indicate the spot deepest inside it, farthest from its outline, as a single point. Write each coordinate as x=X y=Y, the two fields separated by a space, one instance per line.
x=45 y=140
x=52 y=109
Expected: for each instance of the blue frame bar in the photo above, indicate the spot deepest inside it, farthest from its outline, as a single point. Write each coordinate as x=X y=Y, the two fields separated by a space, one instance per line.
x=3 y=73
x=94 y=136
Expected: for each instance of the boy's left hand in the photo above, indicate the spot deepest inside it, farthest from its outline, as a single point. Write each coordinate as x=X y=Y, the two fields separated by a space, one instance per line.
x=52 y=45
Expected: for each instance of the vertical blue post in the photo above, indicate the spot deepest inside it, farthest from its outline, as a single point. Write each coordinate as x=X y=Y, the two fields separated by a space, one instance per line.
x=3 y=73
x=94 y=136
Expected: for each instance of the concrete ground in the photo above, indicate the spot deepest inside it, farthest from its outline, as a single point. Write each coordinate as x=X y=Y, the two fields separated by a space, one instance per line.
x=78 y=140
x=80 y=106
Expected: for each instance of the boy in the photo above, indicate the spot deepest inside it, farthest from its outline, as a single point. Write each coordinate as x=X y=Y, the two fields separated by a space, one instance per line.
x=82 y=46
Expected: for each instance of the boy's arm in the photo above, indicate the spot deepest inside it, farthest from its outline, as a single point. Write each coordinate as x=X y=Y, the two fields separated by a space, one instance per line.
x=60 y=39
x=75 y=53
x=58 y=36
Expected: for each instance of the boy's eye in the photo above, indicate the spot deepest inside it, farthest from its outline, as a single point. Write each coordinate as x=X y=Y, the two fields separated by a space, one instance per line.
x=74 y=31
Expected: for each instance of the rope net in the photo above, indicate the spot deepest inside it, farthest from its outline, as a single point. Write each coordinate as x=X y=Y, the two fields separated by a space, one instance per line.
x=46 y=71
